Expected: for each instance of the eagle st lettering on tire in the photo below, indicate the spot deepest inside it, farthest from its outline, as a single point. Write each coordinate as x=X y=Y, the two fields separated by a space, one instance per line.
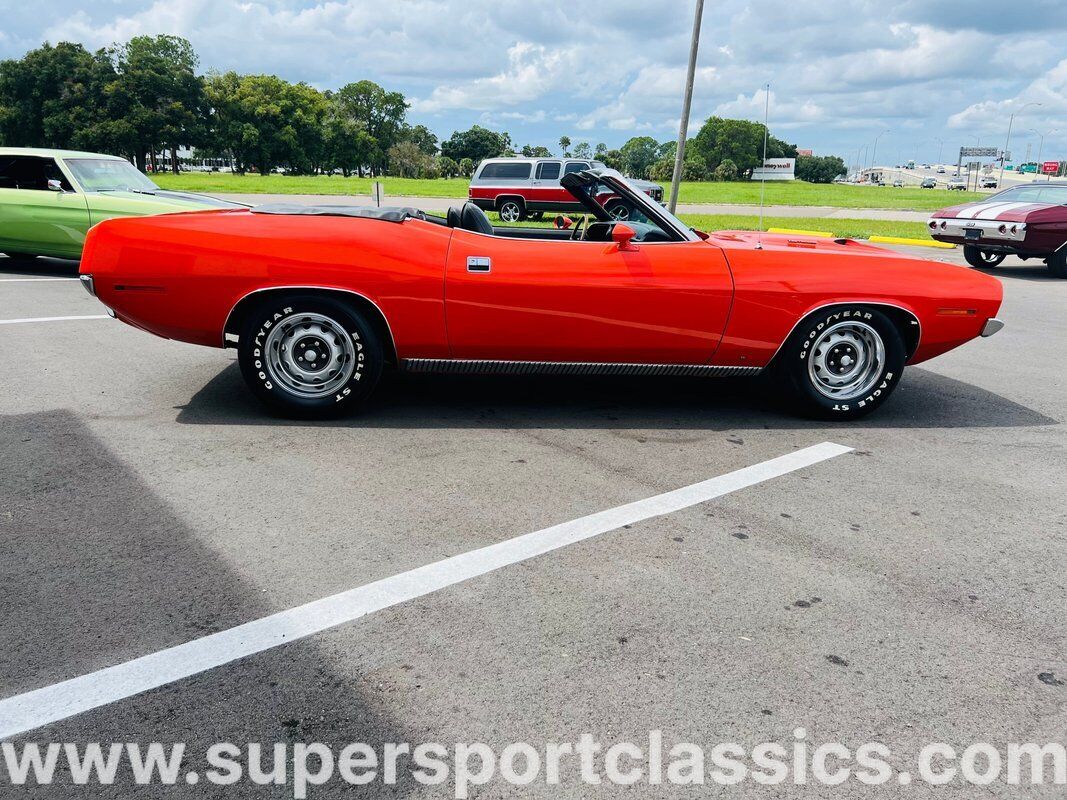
x=843 y=364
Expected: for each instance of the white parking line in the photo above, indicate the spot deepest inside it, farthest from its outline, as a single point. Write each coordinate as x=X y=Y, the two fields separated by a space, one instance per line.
x=50 y=319
x=59 y=701
x=33 y=280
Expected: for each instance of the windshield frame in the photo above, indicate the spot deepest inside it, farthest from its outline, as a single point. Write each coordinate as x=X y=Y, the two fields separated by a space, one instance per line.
x=576 y=182
x=144 y=184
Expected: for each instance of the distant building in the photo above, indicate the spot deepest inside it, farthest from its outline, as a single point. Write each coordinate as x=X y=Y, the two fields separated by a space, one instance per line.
x=805 y=152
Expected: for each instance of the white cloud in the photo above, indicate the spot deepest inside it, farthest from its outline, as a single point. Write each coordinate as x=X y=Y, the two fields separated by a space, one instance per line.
x=841 y=70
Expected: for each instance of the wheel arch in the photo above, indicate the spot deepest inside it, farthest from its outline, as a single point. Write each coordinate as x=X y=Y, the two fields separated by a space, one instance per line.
x=239 y=313
x=503 y=198
x=906 y=321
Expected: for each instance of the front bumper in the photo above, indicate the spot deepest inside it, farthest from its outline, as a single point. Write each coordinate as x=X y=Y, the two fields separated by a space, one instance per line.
x=992 y=325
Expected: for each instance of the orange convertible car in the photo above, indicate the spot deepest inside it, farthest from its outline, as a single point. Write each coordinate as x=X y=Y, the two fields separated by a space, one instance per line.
x=317 y=299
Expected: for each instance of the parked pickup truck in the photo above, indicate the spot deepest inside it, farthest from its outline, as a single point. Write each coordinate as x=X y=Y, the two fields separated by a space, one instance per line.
x=517 y=188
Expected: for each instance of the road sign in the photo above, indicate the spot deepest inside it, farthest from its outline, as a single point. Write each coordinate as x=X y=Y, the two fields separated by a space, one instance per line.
x=1050 y=167
x=978 y=152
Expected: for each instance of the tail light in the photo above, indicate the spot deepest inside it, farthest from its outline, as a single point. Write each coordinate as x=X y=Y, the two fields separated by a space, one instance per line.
x=944 y=225
x=1003 y=229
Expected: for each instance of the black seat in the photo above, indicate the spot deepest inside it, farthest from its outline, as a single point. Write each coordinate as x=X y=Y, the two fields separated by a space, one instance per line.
x=474 y=219
x=453 y=217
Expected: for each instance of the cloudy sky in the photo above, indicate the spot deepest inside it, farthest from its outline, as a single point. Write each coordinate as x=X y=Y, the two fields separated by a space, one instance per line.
x=841 y=71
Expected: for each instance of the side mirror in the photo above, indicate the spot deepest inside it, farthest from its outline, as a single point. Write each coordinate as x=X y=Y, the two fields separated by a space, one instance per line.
x=622 y=234
x=54 y=185
x=563 y=223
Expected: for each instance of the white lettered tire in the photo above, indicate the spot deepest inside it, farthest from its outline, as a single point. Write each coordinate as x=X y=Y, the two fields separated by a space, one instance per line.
x=842 y=363
x=309 y=357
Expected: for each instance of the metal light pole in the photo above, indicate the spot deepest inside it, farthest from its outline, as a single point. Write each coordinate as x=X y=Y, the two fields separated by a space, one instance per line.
x=940 y=148
x=1007 y=142
x=687 y=102
x=874 y=150
x=1041 y=145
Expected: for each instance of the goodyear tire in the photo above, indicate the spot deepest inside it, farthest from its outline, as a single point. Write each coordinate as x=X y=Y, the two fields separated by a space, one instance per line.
x=977 y=257
x=309 y=357
x=842 y=363
x=1057 y=263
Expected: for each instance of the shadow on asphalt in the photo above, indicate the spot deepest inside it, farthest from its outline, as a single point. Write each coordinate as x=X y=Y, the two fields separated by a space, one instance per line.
x=44 y=267
x=96 y=570
x=924 y=400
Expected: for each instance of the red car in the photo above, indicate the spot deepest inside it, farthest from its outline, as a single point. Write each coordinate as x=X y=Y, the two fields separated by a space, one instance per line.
x=317 y=300
x=1027 y=221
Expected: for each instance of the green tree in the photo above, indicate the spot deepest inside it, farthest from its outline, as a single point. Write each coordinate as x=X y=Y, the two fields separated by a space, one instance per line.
x=447 y=167
x=582 y=150
x=564 y=144
x=161 y=95
x=348 y=145
x=423 y=138
x=819 y=169
x=466 y=166
x=477 y=144
x=267 y=122
x=406 y=160
x=538 y=151
x=638 y=155
x=601 y=151
x=726 y=171
x=739 y=140
x=381 y=114
x=51 y=94
x=613 y=159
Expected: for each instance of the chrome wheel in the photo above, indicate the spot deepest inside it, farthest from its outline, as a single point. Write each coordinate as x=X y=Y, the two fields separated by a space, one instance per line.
x=309 y=354
x=846 y=360
x=510 y=212
x=619 y=212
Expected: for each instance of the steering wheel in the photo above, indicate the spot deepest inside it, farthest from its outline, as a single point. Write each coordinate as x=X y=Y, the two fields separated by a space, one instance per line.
x=580 y=227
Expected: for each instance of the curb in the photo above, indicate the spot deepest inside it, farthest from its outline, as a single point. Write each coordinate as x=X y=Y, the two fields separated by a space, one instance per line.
x=799 y=232
x=912 y=242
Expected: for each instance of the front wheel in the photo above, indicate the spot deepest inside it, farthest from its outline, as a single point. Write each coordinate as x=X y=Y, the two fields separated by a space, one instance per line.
x=977 y=257
x=309 y=357
x=842 y=364
x=619 y=211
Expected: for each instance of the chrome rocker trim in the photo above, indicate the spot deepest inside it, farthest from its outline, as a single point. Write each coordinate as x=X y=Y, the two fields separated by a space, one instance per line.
x=475 y=367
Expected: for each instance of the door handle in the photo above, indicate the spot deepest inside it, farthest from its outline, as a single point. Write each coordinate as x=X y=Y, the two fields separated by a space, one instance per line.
x=479 y=264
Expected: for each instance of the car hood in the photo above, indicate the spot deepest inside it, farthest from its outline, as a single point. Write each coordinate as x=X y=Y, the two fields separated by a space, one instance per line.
x=176 y=201
x=644 y=185
x=1004 y=212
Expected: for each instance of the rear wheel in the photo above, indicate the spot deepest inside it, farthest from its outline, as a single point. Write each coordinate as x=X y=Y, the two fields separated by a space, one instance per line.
x=842 y=364
x=511 y=211
x=1057 y=263
x=535 y=215
x=977 y=257
x=309 y=357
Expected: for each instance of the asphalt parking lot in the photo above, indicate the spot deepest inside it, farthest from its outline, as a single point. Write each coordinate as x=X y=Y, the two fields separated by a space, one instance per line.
x=908 y=591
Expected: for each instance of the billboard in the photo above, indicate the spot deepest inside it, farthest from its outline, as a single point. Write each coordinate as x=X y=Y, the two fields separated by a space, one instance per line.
x=979 y=152
x=776 y=169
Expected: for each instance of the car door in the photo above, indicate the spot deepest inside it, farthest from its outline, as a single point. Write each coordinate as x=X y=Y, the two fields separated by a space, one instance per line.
x=558 y=300
x=546 y=193
x=35 y=219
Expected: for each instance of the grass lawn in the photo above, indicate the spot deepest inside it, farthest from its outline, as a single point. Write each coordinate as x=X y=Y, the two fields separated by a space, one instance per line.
x=841 y=228
x=793 y=193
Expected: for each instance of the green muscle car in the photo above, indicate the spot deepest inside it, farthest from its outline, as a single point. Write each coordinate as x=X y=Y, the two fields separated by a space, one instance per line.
x=50 y=198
